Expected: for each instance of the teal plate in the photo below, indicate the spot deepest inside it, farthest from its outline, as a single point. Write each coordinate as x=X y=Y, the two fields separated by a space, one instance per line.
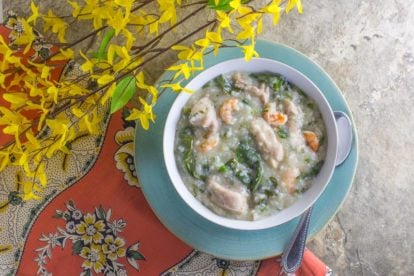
x=206 y=236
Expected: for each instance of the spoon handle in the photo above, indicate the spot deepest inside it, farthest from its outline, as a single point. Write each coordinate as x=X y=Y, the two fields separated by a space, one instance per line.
x=293 y=254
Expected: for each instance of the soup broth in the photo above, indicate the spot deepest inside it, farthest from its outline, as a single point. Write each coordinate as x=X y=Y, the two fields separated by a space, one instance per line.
x=248 y=145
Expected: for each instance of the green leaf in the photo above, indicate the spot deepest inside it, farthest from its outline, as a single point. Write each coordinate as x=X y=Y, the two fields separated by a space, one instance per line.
x=282 y=133
x=93 y=54
x=224 y=84
x=274 y=81
x=187 y=139
x=259 y=175
x=124 y=91
x=77 y=247
x=135 y=255
x=313 y=171
x=86 y=273
x=222 y=5
x=100 y=213
x=223 y=169
x=104 y=43
x=59 y=216
x=273 y=180
x=247 y=154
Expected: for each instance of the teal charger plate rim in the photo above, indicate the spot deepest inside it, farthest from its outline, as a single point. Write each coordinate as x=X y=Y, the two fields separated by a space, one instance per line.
x=217 y=240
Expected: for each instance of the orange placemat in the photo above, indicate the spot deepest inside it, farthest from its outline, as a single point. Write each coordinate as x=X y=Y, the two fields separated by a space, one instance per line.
x=103 y=224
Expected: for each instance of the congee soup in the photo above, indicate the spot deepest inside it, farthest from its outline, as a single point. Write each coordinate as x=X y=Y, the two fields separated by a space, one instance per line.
x=248 y=145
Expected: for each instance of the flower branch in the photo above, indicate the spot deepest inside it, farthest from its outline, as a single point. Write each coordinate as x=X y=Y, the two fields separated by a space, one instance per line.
x=110 y=77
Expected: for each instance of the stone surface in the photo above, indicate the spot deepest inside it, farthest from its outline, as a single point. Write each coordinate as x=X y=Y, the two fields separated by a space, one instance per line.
x=368 y=49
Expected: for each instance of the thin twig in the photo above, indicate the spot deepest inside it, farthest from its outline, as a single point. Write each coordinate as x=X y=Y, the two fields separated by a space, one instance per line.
x=193 y=4
x=140 y=48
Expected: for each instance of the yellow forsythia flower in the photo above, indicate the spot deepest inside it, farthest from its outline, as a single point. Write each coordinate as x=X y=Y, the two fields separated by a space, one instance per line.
x=274 y=9
x=224 y=20
x=28 y=192
x=35 y=13
x=235 y=4
x=26 y=38
x=88 y=65
x=249 y=52
x=64 y=54
x=16 y=99
x=41 y=174
x=248 y=32
x=56 y=24
x=102 y=80
x=4 y=159
x=76 y=8
x=117 y=21
x=53 y=91
x=144 y=115
x=129 y=39
x=127 y=4
x=292 y=3
x=176 y=87
x=181 y=69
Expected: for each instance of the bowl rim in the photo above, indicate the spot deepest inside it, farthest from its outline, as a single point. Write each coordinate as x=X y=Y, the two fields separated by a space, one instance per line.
x=285 y=215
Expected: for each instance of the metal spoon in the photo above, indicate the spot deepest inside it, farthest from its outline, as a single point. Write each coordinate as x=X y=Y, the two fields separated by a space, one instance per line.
x=292 y=255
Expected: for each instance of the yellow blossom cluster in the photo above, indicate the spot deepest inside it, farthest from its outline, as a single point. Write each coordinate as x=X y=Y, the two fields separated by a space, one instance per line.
x=41 y=114
x=32 y=101
x=229 y=15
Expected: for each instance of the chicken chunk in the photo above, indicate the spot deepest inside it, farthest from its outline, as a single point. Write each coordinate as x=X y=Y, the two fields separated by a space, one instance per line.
x=239 y=82
x=294 y=124
x=262 y=92
x=270 y=148
x=291 y=108
x=227 y=199
x=203 y=114
x=293 y=113
x=289 y=179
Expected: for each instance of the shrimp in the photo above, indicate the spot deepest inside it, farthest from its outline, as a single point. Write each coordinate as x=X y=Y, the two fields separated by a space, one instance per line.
x=289 y=179
x=273 y=117
x=208 y=143
x=227 y=108
x=311 y=140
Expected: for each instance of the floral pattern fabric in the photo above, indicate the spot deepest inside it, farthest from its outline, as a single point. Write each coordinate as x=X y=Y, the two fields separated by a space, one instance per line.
x=94 y=238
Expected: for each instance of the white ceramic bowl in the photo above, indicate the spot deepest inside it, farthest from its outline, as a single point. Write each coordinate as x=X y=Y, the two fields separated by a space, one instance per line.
x=255 y=65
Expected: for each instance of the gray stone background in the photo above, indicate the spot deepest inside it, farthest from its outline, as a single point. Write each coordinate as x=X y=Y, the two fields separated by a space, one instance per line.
x=368 y=49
